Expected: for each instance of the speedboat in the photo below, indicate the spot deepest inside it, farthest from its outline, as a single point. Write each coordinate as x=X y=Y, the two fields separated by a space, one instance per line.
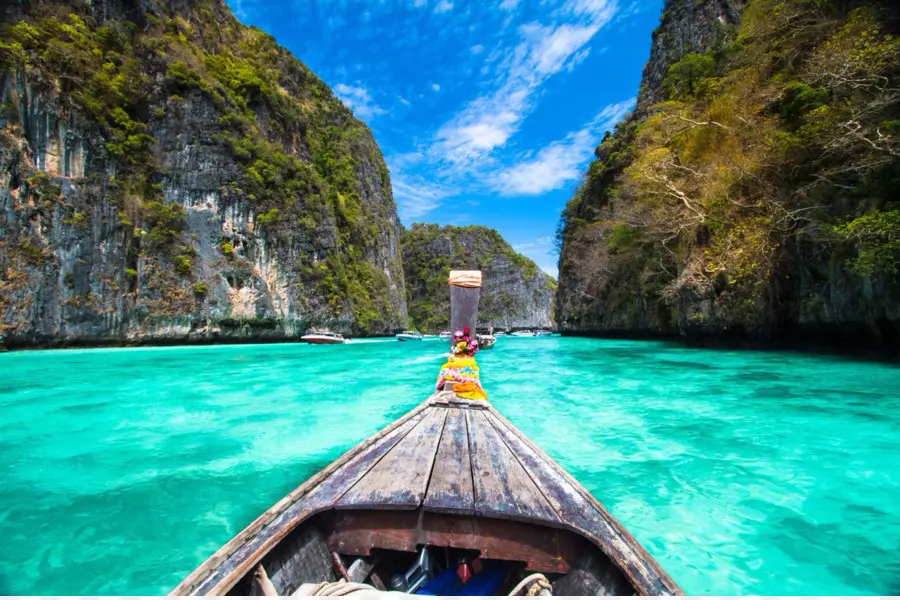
x=542 y=332
x=323 y=337
x=446 y=335
x=409 y=336
x=523 y=333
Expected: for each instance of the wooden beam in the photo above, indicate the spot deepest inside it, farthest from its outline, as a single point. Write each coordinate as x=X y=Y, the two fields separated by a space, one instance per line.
x=543 y=549
x=465 y=289
x=339 y=569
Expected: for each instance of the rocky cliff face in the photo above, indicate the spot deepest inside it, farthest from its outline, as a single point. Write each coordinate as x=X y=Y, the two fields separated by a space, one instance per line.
x=686 y=26
x=169 y=174
x=515 y=292
x=749 y=198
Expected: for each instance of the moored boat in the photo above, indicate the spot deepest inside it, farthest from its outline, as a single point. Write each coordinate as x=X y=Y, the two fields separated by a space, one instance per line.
x=446 y=335
x=486 y=342
x=450 y=499
x=523 y=333
x=409 y=336
x=542 y=333
x=323 y=337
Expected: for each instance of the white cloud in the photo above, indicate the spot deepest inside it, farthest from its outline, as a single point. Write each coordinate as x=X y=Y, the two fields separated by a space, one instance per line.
x=539 y=243
x=603 y=10
x=420 y=3
x=488 y=121
x=463 y=153
x=403 y=101
x=553 y=47
x=416 y=200
x=551 y=270
x=358 y=99
x=560 y=162
x=443 y=6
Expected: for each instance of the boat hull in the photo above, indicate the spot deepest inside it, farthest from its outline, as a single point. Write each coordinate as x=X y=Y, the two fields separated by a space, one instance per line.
x=411 y=484
x=321 y=340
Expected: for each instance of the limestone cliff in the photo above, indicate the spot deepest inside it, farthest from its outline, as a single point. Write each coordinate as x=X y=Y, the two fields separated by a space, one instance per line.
x=515 y=292
x=167 y=173
x=752 y=195
x=686 y=26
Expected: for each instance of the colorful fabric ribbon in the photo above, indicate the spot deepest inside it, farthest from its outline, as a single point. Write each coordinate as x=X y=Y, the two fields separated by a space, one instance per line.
x=462 y=371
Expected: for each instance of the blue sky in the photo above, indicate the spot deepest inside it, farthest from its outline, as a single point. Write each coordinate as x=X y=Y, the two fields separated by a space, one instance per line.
x=487 y=111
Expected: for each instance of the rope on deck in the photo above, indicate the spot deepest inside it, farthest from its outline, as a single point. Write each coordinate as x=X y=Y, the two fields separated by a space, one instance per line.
x=340 y=588
x=536 y=584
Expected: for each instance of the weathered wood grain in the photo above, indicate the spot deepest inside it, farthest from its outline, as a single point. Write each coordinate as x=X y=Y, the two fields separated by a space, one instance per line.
x=399 y=480
x=451 y=488
x=464 y=308
x=502 y=487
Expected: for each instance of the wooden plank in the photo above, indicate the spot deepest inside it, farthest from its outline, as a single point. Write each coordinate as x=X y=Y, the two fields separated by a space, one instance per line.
x=502 y=487
x=582 y=513
x=344 y=478
x=451 y=488
x=250 y=546
x=399 y=480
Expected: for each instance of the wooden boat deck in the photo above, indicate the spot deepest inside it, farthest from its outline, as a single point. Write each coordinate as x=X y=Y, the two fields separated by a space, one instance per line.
x=448 y=456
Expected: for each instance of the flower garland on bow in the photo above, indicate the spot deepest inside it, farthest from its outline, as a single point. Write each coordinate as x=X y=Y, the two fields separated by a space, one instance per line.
x=461 y=369
x=464 y=343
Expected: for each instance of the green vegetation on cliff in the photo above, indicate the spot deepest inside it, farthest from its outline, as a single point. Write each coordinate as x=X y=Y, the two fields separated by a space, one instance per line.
x=515 y=292
x=771 y=158
x=298 y=158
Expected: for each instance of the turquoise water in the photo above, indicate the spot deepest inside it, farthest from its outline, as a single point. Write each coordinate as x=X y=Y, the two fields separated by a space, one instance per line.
x=741 y=472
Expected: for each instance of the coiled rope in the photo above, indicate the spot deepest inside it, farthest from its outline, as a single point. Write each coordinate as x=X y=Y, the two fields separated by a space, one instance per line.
x=536 y=583
x=340 y=588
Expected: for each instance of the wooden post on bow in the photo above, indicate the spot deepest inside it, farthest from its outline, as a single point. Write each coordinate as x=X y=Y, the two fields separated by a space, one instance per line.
x=465 y=288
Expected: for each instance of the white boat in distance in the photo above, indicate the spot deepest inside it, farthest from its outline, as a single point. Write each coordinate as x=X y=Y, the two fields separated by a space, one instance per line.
x=446 y=335
x=523 y=333
x=409 y=336
x=541 y=332
x=323 y=337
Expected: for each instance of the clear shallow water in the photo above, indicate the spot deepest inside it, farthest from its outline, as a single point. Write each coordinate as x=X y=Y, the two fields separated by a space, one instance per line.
x=741 y=472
